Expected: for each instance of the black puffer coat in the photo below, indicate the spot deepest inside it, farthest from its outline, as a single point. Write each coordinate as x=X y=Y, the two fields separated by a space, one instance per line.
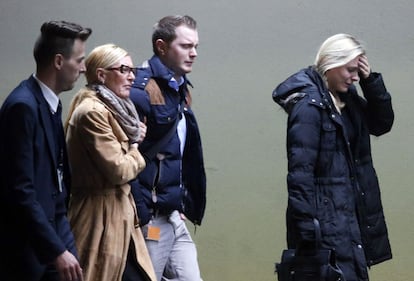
x=330 y=179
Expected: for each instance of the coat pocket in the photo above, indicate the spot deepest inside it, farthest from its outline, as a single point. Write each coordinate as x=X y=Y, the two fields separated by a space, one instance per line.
x=332 y=203
x=328 y=137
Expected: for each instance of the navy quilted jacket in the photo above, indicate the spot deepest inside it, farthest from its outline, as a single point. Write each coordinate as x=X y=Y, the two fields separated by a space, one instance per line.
x=178 y=182
x=330 y=179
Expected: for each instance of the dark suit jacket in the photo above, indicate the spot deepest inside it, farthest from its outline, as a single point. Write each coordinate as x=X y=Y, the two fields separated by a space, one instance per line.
x=34 y=229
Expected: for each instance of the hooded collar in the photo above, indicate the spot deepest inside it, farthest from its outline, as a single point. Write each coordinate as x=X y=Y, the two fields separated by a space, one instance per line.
x=306 y=81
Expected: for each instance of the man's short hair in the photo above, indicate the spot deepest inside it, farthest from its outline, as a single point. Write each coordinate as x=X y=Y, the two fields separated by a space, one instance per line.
x=57 y=37
x=164 y=29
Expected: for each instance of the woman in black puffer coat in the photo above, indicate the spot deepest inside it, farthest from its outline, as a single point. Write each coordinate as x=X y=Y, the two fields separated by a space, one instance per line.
x=330 y=171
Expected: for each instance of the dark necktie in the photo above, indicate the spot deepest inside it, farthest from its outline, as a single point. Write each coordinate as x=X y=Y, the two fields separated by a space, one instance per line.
x=59 y=135
x=59 y=142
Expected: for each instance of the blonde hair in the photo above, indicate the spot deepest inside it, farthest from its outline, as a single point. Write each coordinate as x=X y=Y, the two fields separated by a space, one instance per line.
x=337 y=51
x=103 y=56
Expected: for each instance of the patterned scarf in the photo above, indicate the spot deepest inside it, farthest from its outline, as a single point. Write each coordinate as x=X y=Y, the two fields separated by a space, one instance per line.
x=124 y=111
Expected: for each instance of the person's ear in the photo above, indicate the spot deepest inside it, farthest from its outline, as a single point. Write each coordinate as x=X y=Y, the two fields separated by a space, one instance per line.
x=58 y=61
x=161 y=46
x=101 y=75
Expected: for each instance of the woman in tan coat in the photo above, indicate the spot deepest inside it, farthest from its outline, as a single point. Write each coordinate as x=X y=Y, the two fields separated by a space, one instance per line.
x=102 y=133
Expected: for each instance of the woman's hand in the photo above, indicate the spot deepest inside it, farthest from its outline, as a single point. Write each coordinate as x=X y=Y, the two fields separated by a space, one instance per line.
x=133 y=145
x=364 y=67
x=143 y=131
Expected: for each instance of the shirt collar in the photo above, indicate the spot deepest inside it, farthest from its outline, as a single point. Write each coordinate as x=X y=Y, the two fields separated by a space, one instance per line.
x=175 y=84
x=51 y=98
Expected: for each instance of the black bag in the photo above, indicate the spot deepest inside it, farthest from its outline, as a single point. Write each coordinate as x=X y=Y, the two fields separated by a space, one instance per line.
x=314 y=265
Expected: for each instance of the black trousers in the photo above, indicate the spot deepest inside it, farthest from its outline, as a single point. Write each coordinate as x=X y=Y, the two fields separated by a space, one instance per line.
x=133 y=271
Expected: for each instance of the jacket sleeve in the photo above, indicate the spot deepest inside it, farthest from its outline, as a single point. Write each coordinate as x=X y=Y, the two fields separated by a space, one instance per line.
x=141 y=100
x=303 y=138
x=379 y=112
x=118 y=164
x=144 y=213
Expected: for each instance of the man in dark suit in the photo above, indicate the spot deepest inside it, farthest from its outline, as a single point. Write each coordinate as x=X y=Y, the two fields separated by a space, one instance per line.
x=36 y=242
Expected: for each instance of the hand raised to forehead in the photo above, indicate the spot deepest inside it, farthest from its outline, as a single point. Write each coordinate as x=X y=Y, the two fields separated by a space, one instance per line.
x=364 y=67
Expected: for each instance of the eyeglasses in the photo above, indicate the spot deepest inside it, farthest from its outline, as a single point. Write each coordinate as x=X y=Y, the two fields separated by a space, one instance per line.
x=124 y=69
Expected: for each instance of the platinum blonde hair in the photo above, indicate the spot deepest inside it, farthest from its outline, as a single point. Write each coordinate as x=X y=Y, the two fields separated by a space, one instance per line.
x=337 y=51
x=103 y=56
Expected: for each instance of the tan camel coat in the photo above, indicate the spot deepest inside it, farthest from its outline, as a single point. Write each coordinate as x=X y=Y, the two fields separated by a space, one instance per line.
x=102 y=211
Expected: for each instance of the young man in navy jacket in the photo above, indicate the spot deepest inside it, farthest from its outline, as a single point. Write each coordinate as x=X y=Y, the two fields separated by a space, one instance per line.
x=173 y=184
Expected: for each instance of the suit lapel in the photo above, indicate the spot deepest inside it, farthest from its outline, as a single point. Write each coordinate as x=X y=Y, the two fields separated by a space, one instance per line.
x=46 y=122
